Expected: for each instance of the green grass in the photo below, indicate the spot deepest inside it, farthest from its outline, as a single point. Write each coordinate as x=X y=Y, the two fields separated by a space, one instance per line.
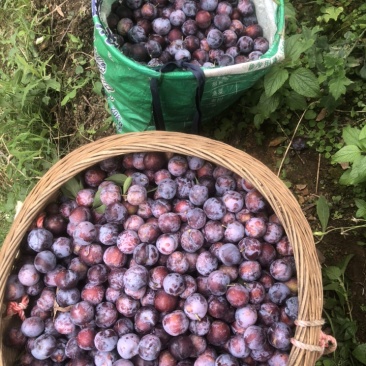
x=33 y=91
x=27 y=93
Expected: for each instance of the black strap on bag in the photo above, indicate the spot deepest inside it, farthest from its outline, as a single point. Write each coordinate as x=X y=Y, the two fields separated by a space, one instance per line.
x=156 y=103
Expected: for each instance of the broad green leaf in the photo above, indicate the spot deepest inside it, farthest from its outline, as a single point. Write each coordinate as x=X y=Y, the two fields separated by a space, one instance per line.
x=346 y=154
x=333 y=63
x=345 y=262
x=362 y=133
x=275 y=78
x=268 y=104
x=327 y=362
x=322 y=210
x=97 y=202
x=331 y=12
x=348 y=329
x=292 y=48
x=363 y=72
x=97 y=88
x=72 y=187
x=358 y=170
x=337 y=86
x=360 y=203
x=258 y=120
x=295 y=46
x=119 y=179
x=127 y=184
x=46 y=100
x=100 y=209
x=304 y=82
x=73 y=38
x=350 y=135
x=334 y=286
x=359 y=353
x=330 y=303
x=362 y=144
x=295 y=101
x=310 y=32
x=290 y=11
x=345 y=178
x=79 y=70
x=333 y=272
x=311 y=114
x=68 y=96
x=53 y=84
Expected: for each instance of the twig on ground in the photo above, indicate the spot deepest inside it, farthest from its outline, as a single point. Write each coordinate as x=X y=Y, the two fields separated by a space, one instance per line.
x=53 y=11
x=62 y=38
x=317 y=175
x=87 y=101
x=292 y=138
x=288 y=138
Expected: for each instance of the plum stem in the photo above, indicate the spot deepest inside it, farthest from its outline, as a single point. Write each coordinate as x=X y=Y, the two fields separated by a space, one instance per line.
x=198 y=318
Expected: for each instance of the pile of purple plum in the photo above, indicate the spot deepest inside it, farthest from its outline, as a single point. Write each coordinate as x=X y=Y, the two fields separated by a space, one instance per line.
x=207 y=33
x=157 y=259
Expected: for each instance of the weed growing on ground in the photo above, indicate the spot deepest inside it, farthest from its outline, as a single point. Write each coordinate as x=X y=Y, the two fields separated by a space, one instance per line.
x=323 y=73
x=338 y=315
x=337 y=302
x=32 y=90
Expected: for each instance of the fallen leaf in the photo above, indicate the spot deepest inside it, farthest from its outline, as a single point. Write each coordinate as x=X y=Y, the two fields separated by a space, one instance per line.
x=322 y=114
x=277 y=141
x=305 y=192
x=83 y=10
x=344 y=166
x=301 y=200
x=308 y=206
x=59 y=11
x=301 y=187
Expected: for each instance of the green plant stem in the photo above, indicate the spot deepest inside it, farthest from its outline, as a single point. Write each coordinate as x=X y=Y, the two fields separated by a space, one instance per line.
x=343 y=230
x=345 y=293
x=340 y=111
x=329 y=320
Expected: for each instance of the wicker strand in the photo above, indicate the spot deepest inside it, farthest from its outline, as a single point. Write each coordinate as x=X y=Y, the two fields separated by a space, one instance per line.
x=327 y=343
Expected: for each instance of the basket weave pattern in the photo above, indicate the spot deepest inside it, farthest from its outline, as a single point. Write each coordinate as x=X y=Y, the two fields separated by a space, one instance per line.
x=276 y=193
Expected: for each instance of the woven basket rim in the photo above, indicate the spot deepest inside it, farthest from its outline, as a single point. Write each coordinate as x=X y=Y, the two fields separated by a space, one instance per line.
x=274 y=190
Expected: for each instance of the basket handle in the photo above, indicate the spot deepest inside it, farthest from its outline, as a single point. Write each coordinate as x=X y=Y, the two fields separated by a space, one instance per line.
x=156 y=103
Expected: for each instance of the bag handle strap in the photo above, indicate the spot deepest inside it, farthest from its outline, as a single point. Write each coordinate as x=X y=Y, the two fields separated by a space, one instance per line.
x=156 y=103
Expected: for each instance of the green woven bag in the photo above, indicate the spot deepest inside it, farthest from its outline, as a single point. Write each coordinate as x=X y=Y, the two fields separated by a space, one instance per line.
x=127 y=82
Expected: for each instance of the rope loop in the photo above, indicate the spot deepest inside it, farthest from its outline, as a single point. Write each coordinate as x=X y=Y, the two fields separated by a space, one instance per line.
x=14 y=307
x=327 y=343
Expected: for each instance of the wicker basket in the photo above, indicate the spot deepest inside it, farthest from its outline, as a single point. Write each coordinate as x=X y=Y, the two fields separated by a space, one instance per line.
x=278 y=196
